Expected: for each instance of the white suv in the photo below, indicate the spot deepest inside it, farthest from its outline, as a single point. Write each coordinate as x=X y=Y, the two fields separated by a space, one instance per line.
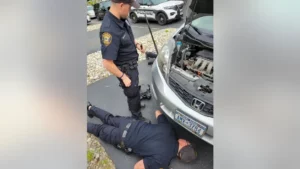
x=159 y=10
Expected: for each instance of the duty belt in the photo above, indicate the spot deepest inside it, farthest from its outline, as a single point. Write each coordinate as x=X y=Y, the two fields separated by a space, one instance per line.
x=128 y=65
x=122 y=145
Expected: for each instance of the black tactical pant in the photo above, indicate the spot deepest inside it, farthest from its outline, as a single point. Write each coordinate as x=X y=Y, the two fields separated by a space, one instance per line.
x=112 y=128
x=132 y=92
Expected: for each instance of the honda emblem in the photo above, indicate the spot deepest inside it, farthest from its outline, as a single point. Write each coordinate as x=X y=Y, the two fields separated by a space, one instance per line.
x=198 y=104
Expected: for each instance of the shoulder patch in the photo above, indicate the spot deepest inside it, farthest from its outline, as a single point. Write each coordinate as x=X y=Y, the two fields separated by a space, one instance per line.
x=106 y=38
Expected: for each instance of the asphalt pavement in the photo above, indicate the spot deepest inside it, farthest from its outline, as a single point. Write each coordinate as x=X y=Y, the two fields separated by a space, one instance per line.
x=139 y=29
x=107 y=95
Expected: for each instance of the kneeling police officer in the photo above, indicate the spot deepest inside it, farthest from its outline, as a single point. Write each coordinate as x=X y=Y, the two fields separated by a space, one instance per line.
x=119 y=51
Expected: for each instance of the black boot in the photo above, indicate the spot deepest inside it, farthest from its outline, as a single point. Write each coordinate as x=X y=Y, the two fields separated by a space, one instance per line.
x=90 y=113
x=145 y=92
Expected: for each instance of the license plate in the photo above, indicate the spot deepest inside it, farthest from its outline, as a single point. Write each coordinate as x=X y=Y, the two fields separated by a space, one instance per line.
x=189 y=123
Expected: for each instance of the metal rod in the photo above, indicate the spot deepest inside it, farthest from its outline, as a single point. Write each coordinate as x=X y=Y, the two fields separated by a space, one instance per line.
x=151 y=33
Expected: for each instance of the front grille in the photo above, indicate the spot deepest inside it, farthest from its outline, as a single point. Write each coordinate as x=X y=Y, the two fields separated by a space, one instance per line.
x=180 y=6
x=187 y=98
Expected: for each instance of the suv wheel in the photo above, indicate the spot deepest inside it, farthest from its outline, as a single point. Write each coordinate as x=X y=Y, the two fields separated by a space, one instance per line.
x=161 y=18
x=133 y=17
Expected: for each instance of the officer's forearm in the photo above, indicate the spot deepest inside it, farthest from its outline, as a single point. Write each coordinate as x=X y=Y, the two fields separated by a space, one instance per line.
x=111 y=67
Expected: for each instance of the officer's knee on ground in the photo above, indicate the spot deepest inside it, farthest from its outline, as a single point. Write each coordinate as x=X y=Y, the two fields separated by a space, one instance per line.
x=157 y=113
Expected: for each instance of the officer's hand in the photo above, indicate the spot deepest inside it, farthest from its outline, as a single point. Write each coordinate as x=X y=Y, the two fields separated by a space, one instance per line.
x=141 y=48
x=126 y=81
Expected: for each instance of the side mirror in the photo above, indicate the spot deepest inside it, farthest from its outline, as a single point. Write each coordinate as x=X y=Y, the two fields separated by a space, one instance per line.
x=149 y=3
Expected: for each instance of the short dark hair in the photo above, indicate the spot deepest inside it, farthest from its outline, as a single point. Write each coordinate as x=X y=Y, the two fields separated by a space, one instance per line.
x=187 y=153
x=124 y=1
x=134 y=3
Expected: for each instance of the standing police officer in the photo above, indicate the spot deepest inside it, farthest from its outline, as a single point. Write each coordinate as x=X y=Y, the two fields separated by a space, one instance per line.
x=119 y=51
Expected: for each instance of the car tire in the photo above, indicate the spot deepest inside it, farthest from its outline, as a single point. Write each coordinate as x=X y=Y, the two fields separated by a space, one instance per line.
x=133 y=17
x=162 y=19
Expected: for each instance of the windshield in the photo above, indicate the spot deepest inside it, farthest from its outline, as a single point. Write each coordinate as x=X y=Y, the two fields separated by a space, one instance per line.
x=156 y=2
x=105 y=4
x=195 y=8
x=204 y=23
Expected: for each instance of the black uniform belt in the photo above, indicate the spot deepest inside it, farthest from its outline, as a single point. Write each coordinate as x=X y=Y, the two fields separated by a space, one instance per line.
x=125 y=131
x=127 y=65
x=124 y=134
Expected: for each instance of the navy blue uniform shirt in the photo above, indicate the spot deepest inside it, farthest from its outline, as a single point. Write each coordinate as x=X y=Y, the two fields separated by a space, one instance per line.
x=117 y=41
x=156 y=143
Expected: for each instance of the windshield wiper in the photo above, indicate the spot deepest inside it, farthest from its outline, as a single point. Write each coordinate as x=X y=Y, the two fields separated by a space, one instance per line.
x=201 y=32
x=196 y=29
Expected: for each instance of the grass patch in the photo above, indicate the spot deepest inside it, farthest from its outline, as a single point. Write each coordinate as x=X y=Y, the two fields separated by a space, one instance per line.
x=90 y=155
x=104 y=162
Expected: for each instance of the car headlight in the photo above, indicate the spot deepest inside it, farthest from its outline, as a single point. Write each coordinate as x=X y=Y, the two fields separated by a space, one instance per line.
x=163 y=59
x=170 y=7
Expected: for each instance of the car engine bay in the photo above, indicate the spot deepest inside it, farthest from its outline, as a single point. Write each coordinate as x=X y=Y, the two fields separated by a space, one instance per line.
x=196 y=61
x=191 y=75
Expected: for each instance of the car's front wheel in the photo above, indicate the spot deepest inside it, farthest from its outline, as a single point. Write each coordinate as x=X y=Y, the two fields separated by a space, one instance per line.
x=133 y=18
x=161 y=19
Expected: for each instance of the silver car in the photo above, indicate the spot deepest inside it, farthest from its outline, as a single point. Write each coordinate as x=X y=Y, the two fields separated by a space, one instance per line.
x=182 y=75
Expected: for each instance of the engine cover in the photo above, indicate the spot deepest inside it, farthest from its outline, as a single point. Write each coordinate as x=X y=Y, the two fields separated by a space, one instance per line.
x=201 y=64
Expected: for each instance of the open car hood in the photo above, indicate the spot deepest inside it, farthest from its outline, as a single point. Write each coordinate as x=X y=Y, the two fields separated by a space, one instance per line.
x=197 y=8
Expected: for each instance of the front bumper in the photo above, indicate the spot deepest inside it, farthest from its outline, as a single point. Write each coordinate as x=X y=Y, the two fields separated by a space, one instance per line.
x=169 y=102
x=92 y=15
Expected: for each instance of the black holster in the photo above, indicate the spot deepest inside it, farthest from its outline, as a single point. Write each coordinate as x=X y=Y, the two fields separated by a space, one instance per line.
x=131 y=65
x=128 y=65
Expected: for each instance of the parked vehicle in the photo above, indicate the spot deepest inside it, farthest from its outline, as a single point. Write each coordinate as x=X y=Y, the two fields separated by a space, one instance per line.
x=182 y=74
x=91 y=12
x=88 y=19
x=163 y=11
x=103 y=8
